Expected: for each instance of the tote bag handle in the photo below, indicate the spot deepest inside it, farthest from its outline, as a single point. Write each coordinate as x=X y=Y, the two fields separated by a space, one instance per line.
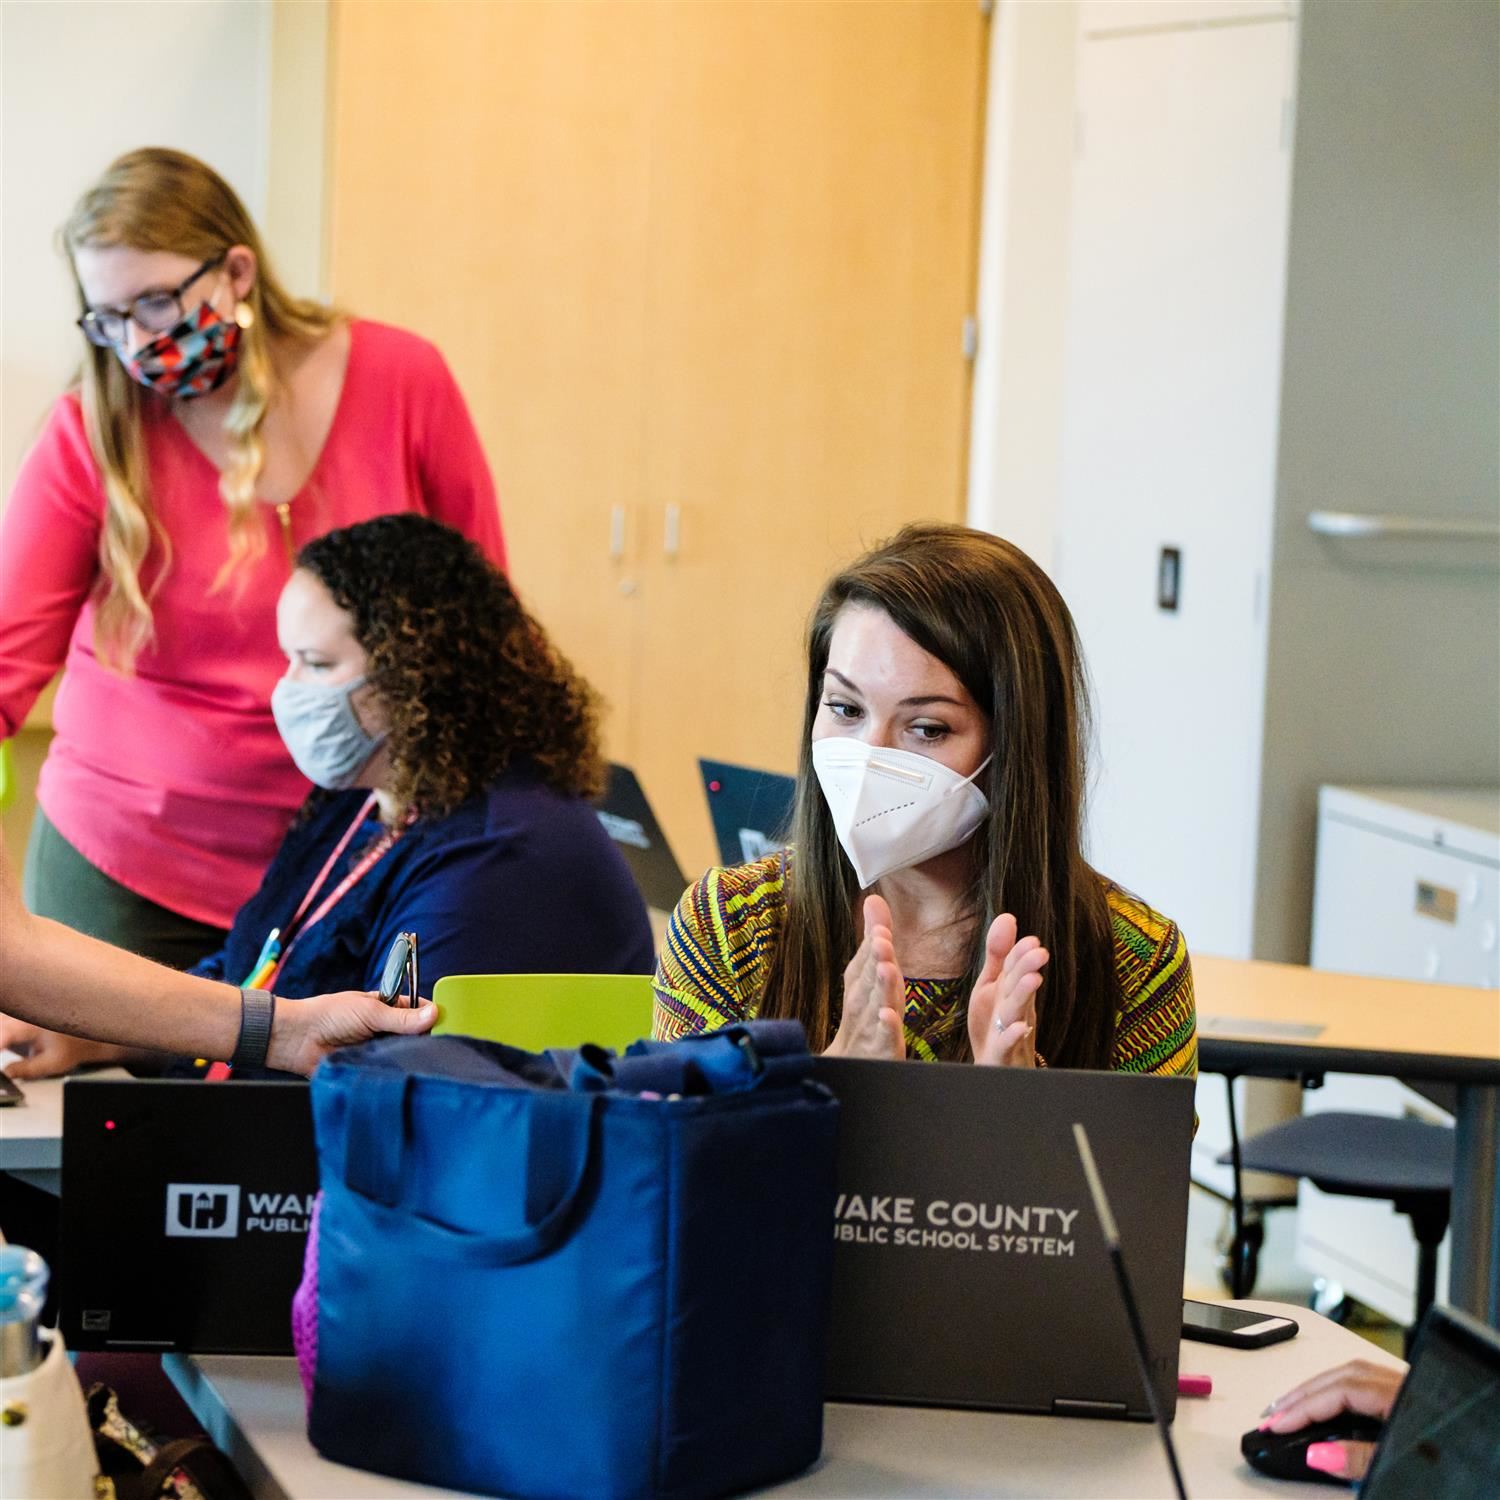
x=561 y=1140
x=726 y=1061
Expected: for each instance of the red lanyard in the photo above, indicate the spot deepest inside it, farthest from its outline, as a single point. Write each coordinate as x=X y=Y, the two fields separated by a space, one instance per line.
x=366 y=862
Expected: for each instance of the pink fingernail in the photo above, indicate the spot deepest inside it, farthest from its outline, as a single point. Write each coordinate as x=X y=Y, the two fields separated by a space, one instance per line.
x=1327 y=1458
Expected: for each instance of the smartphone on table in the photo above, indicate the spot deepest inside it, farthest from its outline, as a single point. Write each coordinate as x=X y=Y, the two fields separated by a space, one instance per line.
x=1239 y=1327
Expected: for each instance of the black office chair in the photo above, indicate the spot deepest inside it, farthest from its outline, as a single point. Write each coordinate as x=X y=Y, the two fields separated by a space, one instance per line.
x=1362 y=1156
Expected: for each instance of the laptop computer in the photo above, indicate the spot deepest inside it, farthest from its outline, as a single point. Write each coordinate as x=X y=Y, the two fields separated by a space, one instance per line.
x=1443 y=1435
x=630 y=822
x=185 y=1210
x=969 y=1269
x=751 y=810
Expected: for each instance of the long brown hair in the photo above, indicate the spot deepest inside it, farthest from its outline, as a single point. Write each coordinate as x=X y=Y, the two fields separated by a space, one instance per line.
x=994 y=618
x=156 y=199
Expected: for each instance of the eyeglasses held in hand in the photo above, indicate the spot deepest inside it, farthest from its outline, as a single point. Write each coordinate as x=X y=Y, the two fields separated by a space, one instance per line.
x=400 y=976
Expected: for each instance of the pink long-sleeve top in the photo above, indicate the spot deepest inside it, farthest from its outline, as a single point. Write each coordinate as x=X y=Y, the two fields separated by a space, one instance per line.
x=173 y=780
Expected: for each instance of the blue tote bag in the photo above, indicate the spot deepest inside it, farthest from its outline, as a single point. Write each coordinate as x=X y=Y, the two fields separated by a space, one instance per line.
x=572 y=1275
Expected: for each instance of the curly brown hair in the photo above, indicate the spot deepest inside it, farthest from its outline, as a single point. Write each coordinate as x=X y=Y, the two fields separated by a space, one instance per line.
x=469 y=679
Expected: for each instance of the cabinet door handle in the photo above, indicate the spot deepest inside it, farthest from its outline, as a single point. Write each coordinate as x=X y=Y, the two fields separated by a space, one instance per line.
x=672 y=531
x=1348 y=523
x=617 y=531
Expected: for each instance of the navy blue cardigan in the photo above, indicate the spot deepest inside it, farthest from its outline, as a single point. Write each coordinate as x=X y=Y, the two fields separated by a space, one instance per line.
x=521 y=879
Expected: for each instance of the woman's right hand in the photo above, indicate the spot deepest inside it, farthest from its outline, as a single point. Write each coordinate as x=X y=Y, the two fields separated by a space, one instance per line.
x=1359 y=1386
x=870 y=1024
x=304 y=1032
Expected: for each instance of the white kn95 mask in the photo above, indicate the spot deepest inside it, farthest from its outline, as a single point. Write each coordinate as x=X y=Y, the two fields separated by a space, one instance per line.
x=894 y=808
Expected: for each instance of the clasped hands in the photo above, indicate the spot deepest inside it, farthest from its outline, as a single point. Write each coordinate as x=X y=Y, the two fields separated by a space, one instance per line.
x=1002 y=1007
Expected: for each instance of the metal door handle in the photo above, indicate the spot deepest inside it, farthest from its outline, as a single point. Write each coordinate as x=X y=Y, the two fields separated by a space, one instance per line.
x=672 y=531
x=617 y=531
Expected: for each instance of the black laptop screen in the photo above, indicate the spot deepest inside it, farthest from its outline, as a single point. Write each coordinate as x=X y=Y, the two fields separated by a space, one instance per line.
x=1443 y=1438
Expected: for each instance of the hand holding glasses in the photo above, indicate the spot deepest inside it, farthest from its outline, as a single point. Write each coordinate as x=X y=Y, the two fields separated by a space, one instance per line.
x=401 y=973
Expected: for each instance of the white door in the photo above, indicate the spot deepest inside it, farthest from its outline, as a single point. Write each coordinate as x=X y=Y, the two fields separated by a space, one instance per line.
x=1172 y=377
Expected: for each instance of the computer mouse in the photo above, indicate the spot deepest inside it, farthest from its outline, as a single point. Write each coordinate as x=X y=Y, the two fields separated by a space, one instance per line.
x=1282 y=1455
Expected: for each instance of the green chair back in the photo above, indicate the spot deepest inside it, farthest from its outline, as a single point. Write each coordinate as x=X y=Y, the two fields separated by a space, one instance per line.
x=538 y=1011
x=7 y=776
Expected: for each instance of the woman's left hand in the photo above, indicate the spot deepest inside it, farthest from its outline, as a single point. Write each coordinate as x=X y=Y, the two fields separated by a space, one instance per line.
x=47 y=1054
x=1002 y=1009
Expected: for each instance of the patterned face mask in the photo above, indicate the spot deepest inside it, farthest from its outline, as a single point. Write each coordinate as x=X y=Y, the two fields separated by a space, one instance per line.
x=191 y=358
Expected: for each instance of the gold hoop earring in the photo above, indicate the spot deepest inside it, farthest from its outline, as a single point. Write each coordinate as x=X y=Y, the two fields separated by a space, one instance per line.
x=244 y=314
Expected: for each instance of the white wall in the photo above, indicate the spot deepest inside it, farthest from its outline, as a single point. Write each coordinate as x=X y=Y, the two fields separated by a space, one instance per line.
x=1015 y=448
x=81 y=82
x=295 y=221
x=1385 y=657
x=1173 y=360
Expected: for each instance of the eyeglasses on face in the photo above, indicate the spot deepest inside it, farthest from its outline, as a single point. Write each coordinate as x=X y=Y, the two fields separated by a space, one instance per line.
x=151 y=312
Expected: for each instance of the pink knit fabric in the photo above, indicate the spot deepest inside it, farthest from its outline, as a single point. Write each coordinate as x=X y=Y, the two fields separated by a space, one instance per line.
x=174 y=781
x=305 y=1308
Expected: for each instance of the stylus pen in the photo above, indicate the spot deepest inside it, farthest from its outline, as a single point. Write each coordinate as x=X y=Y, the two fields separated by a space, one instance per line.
x=1137 y=1332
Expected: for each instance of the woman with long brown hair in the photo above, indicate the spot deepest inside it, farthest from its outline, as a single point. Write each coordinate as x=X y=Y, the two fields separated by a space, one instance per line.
x=217 y=425
x=934 y=901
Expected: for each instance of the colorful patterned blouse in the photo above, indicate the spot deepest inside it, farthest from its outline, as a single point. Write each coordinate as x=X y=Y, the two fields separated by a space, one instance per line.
x=714 y=964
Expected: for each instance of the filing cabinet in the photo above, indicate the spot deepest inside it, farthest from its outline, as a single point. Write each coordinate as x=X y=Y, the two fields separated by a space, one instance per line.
x=1408 y=887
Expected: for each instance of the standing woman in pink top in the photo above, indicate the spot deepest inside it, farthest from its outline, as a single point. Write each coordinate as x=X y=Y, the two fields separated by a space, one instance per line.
x=218 y=425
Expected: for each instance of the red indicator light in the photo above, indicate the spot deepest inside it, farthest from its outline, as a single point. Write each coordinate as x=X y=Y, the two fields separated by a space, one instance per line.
x=109 y=1124
x=715 y=786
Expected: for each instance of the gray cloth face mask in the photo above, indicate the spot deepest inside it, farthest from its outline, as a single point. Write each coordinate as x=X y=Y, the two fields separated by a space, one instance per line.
x=322 y=731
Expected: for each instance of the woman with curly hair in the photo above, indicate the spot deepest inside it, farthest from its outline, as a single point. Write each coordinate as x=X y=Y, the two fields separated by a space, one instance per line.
x=455 y=752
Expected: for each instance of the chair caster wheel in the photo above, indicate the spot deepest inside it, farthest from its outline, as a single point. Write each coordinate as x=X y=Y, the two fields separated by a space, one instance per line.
x=1241 y=1264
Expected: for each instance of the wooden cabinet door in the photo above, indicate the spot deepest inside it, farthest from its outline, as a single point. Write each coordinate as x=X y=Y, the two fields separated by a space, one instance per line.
x=814 y=213
x=700 y=268
x=489 y=183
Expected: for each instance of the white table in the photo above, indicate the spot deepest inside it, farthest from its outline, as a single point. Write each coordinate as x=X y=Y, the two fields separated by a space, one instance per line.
x=253 y=1409
x=31 y=1131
